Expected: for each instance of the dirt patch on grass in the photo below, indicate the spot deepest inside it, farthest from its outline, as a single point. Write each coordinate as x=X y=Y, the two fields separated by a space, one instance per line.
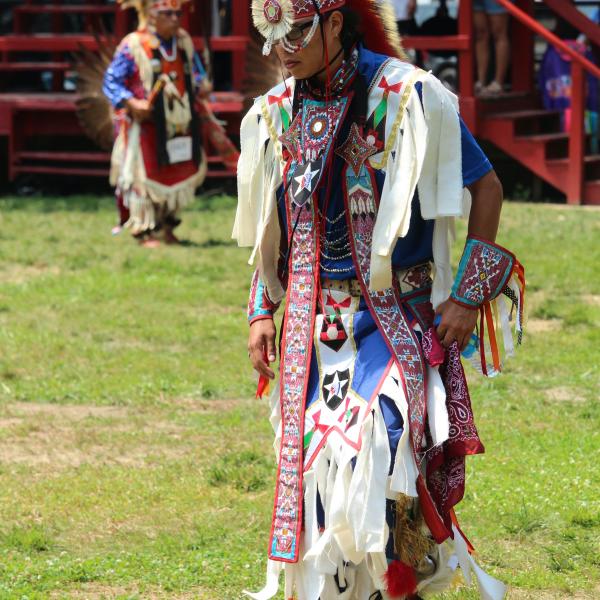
x=542 y=325
x=520 y=594
x=71 y=412
x=563 y=394
x=16 y=274
x=65 y=436
x=208 y=405
x=591 y=299
x=95 y=591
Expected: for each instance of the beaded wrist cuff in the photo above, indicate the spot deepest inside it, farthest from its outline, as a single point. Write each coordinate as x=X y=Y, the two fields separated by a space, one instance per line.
x=259 y=303
x=483 y=272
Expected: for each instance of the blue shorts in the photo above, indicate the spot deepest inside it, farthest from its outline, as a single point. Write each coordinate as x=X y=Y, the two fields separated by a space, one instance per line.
x=489 y=7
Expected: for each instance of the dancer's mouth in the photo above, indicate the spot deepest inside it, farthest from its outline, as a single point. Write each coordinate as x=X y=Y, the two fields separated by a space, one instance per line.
x=290 y=64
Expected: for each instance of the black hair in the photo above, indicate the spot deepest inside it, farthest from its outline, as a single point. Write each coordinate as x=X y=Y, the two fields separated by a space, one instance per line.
x=350 y=35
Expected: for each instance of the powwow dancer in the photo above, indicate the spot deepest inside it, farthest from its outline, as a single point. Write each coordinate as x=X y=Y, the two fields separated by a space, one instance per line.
x=153 y=82
x=350 y=176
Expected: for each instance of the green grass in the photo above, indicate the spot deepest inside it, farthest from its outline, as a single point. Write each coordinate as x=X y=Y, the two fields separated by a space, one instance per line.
x=134 y=462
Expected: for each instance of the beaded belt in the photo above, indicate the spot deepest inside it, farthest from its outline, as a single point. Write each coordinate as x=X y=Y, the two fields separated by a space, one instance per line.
x=409 y=280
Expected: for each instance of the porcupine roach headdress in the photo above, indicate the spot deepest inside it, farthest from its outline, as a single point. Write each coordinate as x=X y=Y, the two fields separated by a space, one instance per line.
x=143 y=8
x=274 y=20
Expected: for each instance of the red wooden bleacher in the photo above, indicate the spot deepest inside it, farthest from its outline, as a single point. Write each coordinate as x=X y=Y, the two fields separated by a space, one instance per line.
x=28 y=119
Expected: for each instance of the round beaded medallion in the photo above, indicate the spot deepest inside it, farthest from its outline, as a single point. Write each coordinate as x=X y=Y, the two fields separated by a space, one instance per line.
x=318 y=127
x=272 y=11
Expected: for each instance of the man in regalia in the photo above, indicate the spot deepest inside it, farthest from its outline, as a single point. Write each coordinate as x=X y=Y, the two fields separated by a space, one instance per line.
x=350 y=176
x=153 y=83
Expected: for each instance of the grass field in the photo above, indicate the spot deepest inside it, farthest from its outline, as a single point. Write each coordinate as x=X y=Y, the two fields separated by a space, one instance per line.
x=135 y=464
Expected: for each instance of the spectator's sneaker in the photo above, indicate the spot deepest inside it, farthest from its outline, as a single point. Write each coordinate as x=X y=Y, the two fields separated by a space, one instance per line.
x=478 y=88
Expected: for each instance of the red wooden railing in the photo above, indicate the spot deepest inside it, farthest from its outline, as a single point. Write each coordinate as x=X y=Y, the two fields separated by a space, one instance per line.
x=579 y=64
x=523 y=28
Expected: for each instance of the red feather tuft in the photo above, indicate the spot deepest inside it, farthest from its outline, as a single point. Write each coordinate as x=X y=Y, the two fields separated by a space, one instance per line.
x=375 y=36
x=400 y=580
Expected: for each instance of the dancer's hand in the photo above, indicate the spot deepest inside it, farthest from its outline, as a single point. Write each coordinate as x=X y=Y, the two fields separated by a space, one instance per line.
x=204 y=90
x=457 y=324
x=261 y=343
x=140 y=110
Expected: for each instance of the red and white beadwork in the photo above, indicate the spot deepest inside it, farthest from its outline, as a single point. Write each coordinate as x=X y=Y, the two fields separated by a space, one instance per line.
x=159 y=5
x=274 y=20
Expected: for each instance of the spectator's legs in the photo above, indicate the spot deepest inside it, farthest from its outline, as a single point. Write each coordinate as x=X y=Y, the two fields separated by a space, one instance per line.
x=482 y=47
x=499 y=28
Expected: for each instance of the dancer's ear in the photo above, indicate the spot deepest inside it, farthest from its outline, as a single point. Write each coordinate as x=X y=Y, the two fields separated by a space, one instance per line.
x=336 y=23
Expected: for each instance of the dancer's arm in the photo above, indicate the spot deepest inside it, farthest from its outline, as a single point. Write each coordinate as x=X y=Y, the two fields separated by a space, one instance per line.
x=458 y=322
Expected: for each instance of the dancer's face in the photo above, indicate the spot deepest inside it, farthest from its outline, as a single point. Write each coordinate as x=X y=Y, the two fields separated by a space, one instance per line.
x=311 y=60
x=167 y=23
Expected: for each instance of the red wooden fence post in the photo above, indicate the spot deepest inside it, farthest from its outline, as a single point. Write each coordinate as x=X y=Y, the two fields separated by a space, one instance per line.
x=466 y=66
x=240 y=25
x=577 y=135
x=522 y=55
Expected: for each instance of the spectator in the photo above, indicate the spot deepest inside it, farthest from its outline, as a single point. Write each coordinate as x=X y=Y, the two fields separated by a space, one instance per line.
x=490 y=18
x=555 y=81
x=405 y=16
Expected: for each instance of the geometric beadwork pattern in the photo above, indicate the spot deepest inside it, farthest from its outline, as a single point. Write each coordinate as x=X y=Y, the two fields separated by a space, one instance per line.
x=482 y=274
x=294 y=369
x=355 y=150
x=309 y=140
x=385 y=305
x=306 y=8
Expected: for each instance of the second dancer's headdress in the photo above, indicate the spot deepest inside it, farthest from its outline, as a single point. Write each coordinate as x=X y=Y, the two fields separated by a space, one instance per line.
x=144 y=7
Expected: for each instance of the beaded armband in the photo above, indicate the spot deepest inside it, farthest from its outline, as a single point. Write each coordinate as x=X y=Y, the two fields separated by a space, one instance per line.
x=260 y=305
x=492 y=281
x=483 y=272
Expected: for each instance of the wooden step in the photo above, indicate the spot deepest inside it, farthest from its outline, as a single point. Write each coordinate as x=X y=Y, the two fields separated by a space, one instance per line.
x=591 y=166
x=544 y=137
x=530 y=122
x=73 y=42
x=524 y=114
x=509 y=102
x=72 y=157
x=90 y=172
x=70 y=9
x=34 y=66
x=556 y=143
x=591 y=192
x=57 y=170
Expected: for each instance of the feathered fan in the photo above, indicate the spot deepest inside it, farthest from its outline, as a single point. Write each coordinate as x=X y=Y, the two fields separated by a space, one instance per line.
x=94 y=111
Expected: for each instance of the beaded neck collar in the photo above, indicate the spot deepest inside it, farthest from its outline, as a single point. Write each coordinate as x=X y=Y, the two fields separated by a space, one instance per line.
x=340 y=80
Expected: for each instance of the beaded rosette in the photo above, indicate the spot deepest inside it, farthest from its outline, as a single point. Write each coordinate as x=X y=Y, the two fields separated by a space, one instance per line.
x=491 y=279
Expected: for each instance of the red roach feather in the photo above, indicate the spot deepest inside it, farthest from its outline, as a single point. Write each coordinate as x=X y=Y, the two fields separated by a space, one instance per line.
x=377 y=37
x=400 y=580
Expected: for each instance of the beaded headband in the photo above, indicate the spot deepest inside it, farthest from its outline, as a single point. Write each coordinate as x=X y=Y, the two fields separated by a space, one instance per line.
x=144 y=7
x=274 y=19
x=159 y=5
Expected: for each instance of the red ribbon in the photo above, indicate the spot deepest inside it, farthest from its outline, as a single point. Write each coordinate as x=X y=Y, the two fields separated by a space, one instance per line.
x=338 y=305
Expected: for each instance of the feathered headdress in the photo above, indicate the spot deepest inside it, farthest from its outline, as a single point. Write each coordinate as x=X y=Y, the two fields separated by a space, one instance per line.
x=274 y=20
x=143 y=8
